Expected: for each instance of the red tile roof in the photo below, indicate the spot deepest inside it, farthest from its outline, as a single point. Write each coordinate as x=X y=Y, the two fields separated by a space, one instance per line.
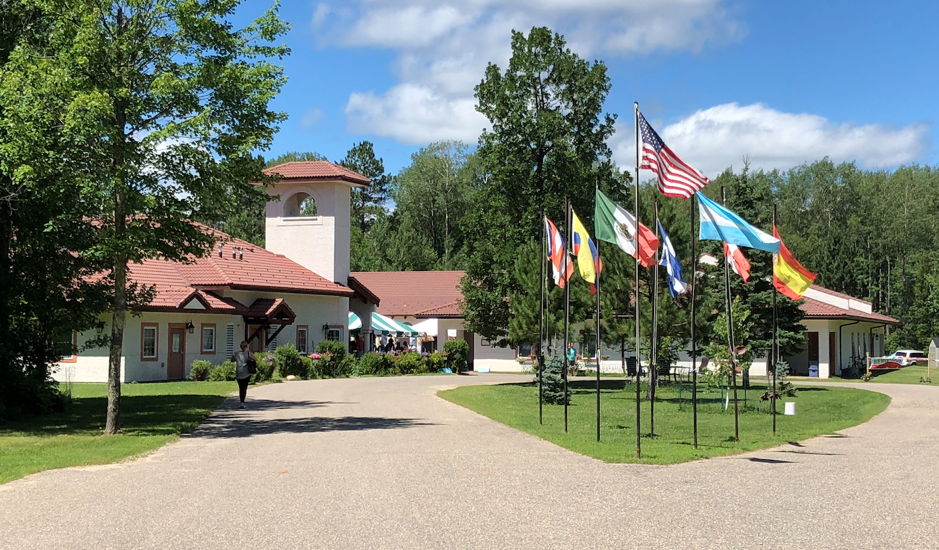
x=815 y=309
x=415 y=293
x=447 y=310
x=253 y=269
x=316 y=170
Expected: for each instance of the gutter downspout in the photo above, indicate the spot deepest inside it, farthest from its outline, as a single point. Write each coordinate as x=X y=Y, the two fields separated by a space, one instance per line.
x=840 y=357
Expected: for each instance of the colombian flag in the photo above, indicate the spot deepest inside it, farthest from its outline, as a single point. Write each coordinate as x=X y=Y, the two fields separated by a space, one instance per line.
x=586 y=251
x=789 y=277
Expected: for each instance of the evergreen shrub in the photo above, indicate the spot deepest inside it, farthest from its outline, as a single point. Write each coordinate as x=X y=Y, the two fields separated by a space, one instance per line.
x=309 y=365
x=265 y=369
x=374 y=364
x=552 y=382
x=200 y=370
x=409 y=363
x=223 y=372
x=288 y=362
x=334 y=362
x=435 y=361
x=457 y=351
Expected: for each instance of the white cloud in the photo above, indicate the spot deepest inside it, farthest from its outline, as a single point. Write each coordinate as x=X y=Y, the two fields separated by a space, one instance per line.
x=714 y=139
x=443 y=47
x=311 y=117
x=414 y=115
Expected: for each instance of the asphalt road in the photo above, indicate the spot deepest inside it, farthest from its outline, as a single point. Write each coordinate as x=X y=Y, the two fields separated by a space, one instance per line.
x=384 y=463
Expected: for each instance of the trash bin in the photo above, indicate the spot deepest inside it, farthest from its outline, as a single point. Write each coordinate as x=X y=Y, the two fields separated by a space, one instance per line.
x=813 y=370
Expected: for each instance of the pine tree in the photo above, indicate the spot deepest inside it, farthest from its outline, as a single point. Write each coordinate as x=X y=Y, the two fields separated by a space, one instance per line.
x=553 y=382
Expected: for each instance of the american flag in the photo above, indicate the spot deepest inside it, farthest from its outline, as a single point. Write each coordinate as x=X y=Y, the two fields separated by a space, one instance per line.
x=676 y=179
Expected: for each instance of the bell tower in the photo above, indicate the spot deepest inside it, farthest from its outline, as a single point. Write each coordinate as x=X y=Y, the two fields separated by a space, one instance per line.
x=309 y=216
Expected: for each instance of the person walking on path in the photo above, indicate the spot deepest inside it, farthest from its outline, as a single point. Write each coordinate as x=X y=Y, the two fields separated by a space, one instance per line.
x=241 y=371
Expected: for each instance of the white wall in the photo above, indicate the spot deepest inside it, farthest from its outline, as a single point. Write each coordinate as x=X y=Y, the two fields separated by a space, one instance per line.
x=92 y=365
x=320 y=244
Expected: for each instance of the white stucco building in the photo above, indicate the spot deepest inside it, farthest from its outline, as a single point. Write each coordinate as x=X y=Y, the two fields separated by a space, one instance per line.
x=295 y=291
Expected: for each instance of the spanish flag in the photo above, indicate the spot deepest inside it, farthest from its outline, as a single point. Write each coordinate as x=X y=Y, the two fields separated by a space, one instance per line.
x=789 y=277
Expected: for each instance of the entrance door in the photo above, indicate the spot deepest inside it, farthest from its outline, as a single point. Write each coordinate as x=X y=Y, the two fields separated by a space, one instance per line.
x=176 y=357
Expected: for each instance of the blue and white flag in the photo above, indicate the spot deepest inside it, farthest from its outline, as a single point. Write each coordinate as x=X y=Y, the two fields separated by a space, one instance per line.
x=720 y=224
x=670 y=260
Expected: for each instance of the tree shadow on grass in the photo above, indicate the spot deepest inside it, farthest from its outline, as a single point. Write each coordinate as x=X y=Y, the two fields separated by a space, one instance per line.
x=229 y=425
x=143 y=415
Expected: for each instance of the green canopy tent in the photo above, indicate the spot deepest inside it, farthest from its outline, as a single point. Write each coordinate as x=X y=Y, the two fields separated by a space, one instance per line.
x=382 y=325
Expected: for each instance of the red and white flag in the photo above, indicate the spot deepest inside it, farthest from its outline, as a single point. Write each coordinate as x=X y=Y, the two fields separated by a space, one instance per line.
x=562 y=268
x=738 y=262
x=676 y=179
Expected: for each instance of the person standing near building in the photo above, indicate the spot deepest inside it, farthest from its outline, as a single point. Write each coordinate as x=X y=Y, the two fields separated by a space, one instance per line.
x=359 y=345
x=571 y=356
x=242 y=376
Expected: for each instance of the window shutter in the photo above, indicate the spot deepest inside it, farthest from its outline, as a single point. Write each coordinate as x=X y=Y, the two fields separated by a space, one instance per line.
x=230 y=340
x=273 y=345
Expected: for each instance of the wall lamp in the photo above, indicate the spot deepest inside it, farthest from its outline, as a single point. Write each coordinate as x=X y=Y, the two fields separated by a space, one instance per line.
x=190 y=328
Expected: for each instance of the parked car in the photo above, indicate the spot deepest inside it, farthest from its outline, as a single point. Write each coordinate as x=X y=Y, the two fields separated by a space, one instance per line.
x=908 y=357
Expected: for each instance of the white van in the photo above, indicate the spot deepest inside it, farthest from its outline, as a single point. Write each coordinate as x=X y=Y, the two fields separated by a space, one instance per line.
x=908 y=356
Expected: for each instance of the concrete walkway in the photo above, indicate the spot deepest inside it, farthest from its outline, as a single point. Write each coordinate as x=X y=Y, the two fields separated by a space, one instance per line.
x=384 y=463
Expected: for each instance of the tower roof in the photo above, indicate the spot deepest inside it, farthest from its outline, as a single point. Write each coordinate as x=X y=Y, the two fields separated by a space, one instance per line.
x=321 y=170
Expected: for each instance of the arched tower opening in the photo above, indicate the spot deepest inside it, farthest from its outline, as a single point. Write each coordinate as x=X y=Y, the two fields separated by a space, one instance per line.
x=300 y=205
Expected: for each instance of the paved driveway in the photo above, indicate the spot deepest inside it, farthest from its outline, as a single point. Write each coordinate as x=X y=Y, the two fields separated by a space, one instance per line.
x=383 y=463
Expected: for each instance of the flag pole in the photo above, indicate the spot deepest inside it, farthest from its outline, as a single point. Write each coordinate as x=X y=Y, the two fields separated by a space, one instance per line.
x=694 y=349
x=597 y=244
x=636 y=293
x=654 y=347
x=540 y=356
x=567 y=298
x=730 y=334
x=774 y=354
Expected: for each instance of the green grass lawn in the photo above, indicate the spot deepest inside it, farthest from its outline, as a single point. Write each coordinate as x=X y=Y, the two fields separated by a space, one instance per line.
x=151 y=416
x=908 y=375
x=820 y=410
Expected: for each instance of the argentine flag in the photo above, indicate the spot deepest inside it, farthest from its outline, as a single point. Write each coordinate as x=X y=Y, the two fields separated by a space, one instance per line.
x=720 y=224
x=670 y=261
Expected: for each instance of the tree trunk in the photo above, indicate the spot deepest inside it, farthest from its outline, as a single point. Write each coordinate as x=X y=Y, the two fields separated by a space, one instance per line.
x=119 y=272
x=118 y=313
x=6 y=280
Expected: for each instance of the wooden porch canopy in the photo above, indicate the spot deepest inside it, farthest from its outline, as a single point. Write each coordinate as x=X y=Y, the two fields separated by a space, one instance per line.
x=264 y=313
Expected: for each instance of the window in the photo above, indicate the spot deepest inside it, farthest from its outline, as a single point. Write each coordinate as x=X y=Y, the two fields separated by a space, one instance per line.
x=208 y=338
x=302 y=331
x=149 y=334
x=70 y=343
x=525 y=350
x=334 y=333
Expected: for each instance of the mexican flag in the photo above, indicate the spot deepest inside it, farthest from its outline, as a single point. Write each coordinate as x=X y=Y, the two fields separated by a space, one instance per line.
x=615 y=225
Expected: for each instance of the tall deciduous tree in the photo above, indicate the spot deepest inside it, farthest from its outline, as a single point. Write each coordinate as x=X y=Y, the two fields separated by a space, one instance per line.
x=548 y=135
x=46 y=290
x=431 y=197
x=167 y=104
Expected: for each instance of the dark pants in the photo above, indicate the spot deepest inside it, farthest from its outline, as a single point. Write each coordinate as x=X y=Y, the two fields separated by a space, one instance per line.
x=243 y=388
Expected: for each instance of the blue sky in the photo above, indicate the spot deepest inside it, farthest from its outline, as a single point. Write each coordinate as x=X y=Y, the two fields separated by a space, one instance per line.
x=780 y=82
